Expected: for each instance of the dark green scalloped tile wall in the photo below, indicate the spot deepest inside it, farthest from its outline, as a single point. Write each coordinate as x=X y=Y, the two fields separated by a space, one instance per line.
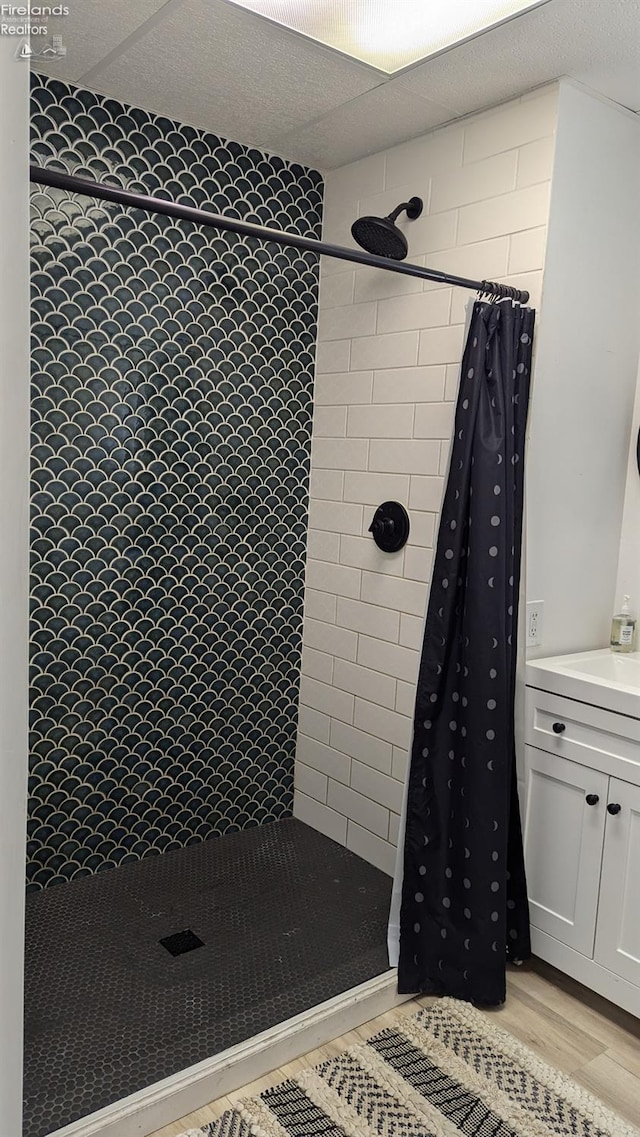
x=172 y=381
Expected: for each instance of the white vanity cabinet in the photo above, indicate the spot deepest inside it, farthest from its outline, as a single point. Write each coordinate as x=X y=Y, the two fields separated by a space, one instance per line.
x=582 y=820
x=618 y=933
x=563 y=847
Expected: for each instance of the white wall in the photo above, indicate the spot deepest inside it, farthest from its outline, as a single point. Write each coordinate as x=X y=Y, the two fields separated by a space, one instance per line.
x=14 y=440
x=629 y=562
x=387 y=373
x=586 y=364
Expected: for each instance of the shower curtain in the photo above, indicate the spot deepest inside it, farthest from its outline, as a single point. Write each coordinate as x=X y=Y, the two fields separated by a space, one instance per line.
x=464 y=908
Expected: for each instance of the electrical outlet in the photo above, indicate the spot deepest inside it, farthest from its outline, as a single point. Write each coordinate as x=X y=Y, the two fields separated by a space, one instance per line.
x=534 y=622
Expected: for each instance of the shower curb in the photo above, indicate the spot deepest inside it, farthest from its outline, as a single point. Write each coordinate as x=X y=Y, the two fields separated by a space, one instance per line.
x=166 y=1101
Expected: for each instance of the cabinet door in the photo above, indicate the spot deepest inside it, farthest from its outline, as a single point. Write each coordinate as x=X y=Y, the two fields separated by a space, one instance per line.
x=618 y=935
x=563 y=847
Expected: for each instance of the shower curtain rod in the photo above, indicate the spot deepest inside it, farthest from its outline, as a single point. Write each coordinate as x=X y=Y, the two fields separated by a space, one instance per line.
x=59 y=180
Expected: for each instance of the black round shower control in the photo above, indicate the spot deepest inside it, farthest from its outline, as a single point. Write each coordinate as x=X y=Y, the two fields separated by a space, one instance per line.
x=390 y=526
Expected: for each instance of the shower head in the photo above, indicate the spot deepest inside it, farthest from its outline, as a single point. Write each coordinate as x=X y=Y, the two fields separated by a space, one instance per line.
x=381 y=236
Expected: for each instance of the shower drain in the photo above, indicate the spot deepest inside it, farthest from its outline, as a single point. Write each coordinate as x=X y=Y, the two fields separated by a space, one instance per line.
x=181 y=942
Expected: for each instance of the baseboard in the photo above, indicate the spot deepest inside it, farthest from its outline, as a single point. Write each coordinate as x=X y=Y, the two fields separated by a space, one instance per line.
x=166 y=1101
x=586 y=971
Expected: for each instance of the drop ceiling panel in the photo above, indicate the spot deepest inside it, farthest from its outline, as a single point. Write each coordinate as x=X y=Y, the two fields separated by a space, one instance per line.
x=215 y=66
x=211 y=64
x=375 y=120
x=594 y=41
x=91 y=30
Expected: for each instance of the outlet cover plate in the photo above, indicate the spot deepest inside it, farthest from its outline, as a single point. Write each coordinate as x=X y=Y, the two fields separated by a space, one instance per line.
x=535 y=609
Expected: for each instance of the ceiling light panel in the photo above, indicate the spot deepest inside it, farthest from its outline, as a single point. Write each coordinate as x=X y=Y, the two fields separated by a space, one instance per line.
x=389 y=34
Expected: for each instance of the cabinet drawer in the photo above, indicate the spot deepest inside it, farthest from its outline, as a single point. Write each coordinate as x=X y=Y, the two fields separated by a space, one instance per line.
x=602 y=739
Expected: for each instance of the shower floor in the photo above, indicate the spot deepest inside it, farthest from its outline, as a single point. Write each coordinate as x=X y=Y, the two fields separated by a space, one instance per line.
x=287 y=919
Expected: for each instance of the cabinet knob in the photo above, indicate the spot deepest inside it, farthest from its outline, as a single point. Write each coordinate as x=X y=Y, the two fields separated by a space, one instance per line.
x=592 y=799
x=614 y=807
x=558 y=727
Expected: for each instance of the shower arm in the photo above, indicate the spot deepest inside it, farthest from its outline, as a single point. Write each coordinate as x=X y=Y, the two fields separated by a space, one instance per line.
x=413 y=208
x=58 y=179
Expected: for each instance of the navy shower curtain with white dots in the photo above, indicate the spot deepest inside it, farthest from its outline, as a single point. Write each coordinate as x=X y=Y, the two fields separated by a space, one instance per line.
x=464 y=906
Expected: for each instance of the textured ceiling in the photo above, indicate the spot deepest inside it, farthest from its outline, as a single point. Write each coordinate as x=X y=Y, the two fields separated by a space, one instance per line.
x=210 y=64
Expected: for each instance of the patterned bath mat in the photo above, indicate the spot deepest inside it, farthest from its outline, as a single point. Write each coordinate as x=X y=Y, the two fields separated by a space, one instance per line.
x=445 y=1072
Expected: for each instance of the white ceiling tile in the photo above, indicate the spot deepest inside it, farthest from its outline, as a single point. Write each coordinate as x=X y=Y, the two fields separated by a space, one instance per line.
x=372 y=122
x=597 y=43
x=215 y=66
x=92 y=30
x=212 y=65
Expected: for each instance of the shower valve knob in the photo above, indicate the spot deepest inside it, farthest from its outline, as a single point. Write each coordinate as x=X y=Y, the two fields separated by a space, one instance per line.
x=390 y=526
x=381 y=527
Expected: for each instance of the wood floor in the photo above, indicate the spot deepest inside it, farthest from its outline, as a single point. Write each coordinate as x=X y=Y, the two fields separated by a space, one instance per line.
x=567 y=1025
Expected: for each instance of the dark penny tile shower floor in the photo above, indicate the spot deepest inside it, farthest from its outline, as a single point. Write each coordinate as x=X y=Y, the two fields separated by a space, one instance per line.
x=287 y=918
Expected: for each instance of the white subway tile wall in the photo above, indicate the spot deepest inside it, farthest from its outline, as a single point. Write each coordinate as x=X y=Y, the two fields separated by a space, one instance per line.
x=363 y=553
x=323 y=546
x=389 y=355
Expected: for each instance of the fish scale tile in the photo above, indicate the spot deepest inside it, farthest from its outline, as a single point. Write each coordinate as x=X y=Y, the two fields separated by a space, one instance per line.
x=172 y=383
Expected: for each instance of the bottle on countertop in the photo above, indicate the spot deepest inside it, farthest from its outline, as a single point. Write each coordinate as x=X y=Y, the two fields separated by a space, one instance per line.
x=623 y=629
